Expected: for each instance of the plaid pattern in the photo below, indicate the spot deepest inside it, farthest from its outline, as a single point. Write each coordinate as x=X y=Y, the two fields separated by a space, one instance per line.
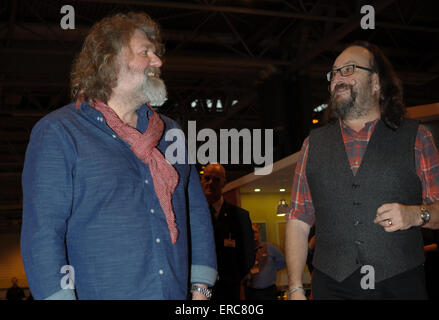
x=426 y=160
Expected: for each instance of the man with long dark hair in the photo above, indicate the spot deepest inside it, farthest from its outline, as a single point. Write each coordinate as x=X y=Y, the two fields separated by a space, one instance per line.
x=100 y=201
x=369 y=181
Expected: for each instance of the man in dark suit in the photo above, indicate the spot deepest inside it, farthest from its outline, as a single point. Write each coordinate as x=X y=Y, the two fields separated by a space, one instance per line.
x=233 y=235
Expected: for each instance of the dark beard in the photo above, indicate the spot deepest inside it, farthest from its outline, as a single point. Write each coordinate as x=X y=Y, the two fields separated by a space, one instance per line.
x=355 y=107
x=342 y=108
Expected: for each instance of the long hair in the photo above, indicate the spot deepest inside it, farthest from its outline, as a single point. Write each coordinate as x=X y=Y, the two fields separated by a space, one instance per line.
x=95 y=69
x=391 y=102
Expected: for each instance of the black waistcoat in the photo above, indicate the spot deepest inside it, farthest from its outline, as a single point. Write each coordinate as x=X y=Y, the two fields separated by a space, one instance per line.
x=346 y=205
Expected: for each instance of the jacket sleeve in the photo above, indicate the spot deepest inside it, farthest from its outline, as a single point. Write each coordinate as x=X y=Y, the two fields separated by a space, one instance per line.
x=47 y=203
x=203 y=254
x=248 y=250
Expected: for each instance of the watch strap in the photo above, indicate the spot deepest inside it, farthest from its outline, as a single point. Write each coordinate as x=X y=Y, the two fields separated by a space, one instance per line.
x=205 y=291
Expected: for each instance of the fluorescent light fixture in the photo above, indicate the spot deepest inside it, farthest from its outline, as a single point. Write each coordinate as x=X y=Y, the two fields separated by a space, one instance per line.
x=321 y=107
x=257 y=190
x=282 y=190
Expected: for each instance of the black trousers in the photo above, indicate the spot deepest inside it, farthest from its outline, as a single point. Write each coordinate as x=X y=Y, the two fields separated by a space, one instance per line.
x=226 y=291
x=409 y=285
x=269 y=293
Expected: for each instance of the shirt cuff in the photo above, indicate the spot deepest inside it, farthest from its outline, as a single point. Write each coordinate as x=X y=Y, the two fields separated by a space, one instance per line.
x=203 y=274
x=63 y=294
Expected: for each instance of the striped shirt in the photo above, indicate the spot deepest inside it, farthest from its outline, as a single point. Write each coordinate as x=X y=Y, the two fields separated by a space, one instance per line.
x=426 y=161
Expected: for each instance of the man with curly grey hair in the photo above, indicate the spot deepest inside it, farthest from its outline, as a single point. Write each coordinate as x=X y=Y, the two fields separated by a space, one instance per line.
x=100 y=201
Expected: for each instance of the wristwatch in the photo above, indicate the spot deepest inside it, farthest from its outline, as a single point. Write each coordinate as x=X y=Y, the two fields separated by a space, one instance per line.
x=425 y=215
x=205 y=291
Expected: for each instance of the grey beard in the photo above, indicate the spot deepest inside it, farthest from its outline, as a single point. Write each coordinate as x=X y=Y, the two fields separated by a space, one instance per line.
x=151 y=91
x=154 y=91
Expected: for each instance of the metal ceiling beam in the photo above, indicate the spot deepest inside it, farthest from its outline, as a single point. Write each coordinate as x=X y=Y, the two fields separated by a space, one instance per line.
x=170 y=59
x=226 y=9
x=40 y=33
x=11 y=24
x=35 y=31
x=258 y=12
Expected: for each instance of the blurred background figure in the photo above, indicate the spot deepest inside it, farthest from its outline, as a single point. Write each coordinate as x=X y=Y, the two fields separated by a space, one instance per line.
x=233 y=235
x=261 y=284
x=15 y=293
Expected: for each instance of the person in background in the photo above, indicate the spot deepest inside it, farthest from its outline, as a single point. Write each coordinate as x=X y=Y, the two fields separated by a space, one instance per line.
x=261 y=281
x=233 y=235
x=15 y=293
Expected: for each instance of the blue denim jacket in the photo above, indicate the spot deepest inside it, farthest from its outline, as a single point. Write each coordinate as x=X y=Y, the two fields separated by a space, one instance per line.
x=89 y=202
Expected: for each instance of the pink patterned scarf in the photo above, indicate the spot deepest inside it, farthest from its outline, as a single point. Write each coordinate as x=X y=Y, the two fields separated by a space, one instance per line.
x=164 y=175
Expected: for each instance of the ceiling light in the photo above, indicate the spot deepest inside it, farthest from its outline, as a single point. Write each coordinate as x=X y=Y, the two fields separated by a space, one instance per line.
x=282 y=190
x=257 y=190
x=321 y=107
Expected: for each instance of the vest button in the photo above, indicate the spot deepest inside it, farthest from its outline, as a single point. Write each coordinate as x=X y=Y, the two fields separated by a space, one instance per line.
x=358 y=242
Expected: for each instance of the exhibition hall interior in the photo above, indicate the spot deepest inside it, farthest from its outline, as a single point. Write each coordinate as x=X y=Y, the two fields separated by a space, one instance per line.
x=252 y=69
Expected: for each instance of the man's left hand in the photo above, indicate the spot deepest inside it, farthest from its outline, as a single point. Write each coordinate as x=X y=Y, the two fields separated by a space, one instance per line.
x=396 y=216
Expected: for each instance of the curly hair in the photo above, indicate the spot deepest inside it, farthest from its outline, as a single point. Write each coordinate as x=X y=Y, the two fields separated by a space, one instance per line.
x=391 y=101
x=94 y=72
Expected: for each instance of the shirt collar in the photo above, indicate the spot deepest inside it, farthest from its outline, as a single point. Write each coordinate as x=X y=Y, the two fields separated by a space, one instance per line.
x=368 y=126
x=144 y=111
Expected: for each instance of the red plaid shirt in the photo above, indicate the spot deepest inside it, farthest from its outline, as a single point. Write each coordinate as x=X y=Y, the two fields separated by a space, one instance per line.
x=426 y=160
